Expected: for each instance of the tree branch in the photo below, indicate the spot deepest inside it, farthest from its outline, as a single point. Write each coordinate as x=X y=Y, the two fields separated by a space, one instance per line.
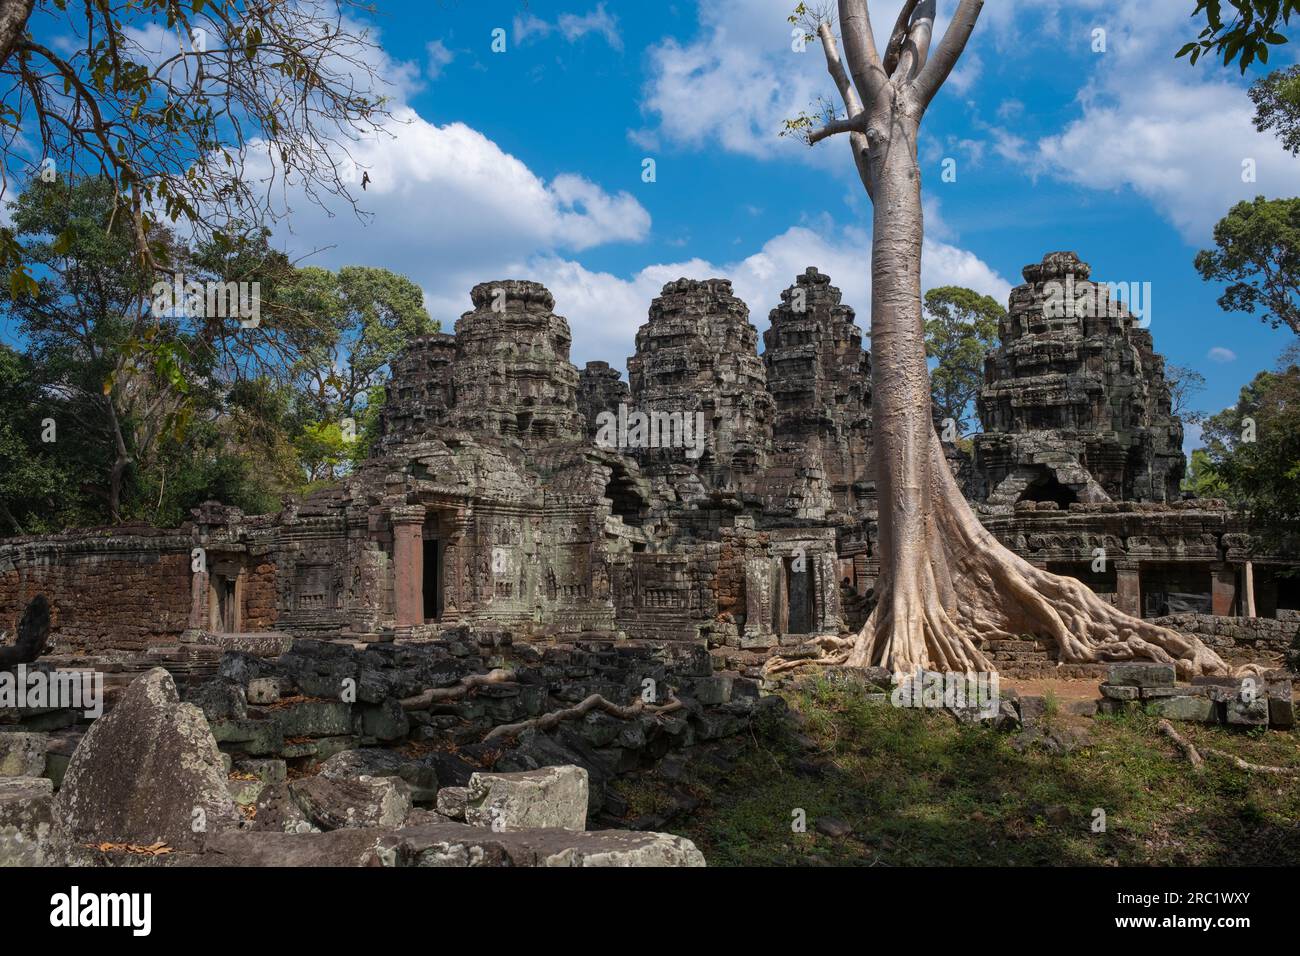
x=936 y=71
x=850 y=124
x=852 y=104
x=860 y=51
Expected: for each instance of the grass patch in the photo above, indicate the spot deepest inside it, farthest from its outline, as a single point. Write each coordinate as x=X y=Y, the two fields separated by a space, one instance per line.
x=919 y=789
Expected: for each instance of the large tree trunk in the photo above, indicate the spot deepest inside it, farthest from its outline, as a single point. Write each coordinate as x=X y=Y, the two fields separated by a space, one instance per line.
x=947 y=587
x=14 y=15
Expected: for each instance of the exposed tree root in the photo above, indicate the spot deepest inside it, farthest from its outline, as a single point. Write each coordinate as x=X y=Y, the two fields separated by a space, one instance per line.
x=1185 y=745
x=1198 y=761
x=942 y=600
x=440 y=695
x=594 y=702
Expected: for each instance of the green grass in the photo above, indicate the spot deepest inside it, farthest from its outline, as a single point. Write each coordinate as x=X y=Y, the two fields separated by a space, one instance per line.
x=919 y=789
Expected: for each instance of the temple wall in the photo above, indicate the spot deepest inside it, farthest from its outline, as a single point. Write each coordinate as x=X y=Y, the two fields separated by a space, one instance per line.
x=113 y=589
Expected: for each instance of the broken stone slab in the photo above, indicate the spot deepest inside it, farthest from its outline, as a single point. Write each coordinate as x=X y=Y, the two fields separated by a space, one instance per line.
x=421 y=777
x=547 y=797
x=266 y=770
x=333 y=804
x=1199 y=709
x=245 y=792
x=22 y=754
x=28 y=821
x=148 y=771
x=1281 y=707
x=1119 y=691
x=1142 y=674
x=445 y=844
x=263 y=690
x=315 y=718
x=1247 y=713
x=452 y=802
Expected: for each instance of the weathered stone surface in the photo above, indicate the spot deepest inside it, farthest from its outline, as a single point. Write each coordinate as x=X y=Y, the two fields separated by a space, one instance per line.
x=448 y=845
x=452 y=802
x=549 y=797
x=1142 y=674
x=1247 y=713
x=22 y=754
x=28 y=822
x=1200 y=709
x=1281 y=706
x=147 y=771
x=420 y=776
x=263 y=690
x=1120 y=691
x=334 y=804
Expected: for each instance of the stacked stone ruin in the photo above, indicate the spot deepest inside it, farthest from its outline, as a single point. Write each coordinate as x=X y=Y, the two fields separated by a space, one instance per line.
x=491 y=504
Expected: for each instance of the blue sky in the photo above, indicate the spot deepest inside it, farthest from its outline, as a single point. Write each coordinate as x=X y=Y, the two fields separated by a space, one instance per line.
x=528 y=163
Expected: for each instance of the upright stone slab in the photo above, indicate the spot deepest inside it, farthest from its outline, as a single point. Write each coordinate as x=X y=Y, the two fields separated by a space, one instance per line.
x=148 y=771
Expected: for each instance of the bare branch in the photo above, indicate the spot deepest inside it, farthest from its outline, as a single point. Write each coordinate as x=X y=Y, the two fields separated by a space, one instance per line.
x=860 y=51
x=949 y=52
x=850 y=124
x=898 y=36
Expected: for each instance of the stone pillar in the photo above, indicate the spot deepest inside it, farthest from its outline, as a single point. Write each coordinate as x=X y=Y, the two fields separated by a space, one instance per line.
x=1250 y=589
x=408 y=565
x=1128 y=590
x=1223 y=589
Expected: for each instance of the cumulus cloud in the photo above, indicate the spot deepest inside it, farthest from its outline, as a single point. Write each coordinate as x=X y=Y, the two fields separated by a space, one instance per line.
x=1221 y=354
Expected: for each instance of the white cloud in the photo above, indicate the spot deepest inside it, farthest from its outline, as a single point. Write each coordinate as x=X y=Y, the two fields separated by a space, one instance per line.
x=439 y=57
x=1175 y=135
x=571 y=26
x=1221 y=354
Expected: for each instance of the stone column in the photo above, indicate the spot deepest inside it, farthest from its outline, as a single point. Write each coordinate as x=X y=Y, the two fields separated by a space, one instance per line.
x=1250 y=589
x=408 y=565
x=1223 y=589
x=1128 y=590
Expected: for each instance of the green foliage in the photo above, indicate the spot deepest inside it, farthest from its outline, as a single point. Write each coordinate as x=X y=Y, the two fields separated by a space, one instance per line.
x=960 y=327
x=1250 y=28
x=1277 y=106
x=1253 y=453
x=157 y=411
x=1203 y=479
x=1258 y=256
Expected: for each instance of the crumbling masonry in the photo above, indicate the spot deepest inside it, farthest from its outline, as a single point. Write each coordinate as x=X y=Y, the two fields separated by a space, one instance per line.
x=490 y=505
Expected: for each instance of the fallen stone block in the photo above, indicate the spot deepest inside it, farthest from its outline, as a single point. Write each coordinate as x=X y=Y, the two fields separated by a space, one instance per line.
x=421 y=777
x=1200 y=709
x=1247 y=713
x=350 y=804
x=22 y=754
x=28 y=822
x=445 y=844
x=549 y=797
x=1281 y=706
x=148 y=771
x=1120 y=691
x=452 y=801
x=263 y=690
x=315 y=718
x=1142 y=674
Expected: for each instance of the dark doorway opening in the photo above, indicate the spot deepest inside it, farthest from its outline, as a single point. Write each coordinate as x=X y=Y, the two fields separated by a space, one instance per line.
x=227 y=612
x=1047 y=488
x=800 y=603
x=432 y=579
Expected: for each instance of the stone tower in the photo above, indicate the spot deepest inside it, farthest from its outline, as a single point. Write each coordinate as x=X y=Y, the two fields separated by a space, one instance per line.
x=1075 y=405
x=698 y=352
x=819 y=377
x=600 y=389
x=419 y=394
x=512 y=373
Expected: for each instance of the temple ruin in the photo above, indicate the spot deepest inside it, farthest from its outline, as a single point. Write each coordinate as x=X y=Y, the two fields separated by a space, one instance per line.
x=490 y=503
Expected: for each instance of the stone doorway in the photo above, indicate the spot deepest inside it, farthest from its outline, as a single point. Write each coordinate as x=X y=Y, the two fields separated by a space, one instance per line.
x=432 y=584
x=224 y=598
x=800 y=600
